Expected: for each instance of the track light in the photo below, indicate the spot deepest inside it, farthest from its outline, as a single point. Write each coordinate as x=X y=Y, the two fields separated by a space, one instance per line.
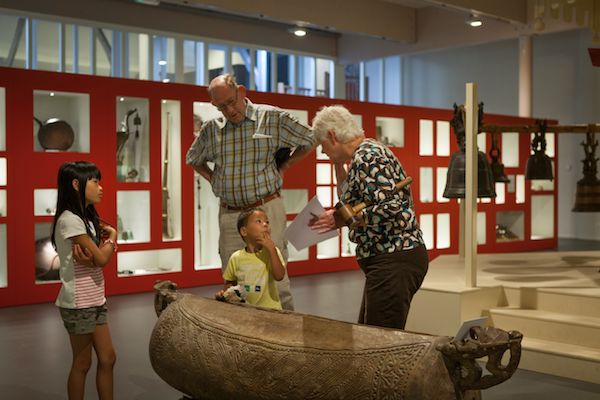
x=473 y=21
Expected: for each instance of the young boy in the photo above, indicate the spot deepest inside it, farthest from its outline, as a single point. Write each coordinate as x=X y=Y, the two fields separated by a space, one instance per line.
x=257 y=266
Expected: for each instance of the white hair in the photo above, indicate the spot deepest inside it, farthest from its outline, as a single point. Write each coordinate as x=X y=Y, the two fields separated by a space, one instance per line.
x=339 y=120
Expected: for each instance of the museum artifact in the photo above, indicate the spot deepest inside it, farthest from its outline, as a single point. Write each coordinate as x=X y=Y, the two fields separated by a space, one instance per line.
x=55 y=134
x=167 y=226
x=496 y=165
x=351 y=216
x=455 y=178
x=539 y=165
x=209 y=349
x=587 y=196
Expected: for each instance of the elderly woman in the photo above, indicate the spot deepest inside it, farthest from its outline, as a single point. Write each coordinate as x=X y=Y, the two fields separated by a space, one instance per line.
x=390 y=248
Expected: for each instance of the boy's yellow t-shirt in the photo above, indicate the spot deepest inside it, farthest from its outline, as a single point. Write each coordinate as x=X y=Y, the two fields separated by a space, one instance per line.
x=253 y=271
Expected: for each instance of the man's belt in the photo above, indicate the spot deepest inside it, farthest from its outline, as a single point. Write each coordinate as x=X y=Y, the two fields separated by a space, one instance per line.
x=256 y=204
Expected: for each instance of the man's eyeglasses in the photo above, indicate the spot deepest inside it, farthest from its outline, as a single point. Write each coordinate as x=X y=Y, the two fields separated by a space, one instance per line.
x=229 y=103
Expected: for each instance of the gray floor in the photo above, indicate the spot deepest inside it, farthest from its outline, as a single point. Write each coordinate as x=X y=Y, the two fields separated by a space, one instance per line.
x=35 y=355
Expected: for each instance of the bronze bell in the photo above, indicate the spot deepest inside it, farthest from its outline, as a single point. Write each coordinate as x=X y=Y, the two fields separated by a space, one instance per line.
x=455 y=181
x=539 y=165
x=496 y=165
x=587 y=197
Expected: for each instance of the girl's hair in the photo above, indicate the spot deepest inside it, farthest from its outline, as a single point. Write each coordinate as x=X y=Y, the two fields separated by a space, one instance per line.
x=74 y=200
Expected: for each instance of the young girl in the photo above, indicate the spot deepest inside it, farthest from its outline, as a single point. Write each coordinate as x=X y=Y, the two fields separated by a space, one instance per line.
x=78 y=234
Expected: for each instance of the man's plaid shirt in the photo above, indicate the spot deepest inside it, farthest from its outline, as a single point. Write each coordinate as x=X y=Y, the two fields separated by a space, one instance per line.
x=244 y=154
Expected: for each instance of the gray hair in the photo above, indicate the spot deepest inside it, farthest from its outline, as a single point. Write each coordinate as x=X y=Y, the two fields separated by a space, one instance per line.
x=337 y=119
x=225 y=80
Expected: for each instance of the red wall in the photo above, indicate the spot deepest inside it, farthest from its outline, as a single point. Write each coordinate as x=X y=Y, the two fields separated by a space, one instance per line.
x=28 y=170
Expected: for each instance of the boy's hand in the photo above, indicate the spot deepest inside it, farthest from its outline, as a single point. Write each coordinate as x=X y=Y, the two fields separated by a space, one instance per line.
x=266 y=241
x=220 y=295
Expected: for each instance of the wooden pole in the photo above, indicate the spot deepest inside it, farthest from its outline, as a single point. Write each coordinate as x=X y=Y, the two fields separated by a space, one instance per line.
x=471 y=153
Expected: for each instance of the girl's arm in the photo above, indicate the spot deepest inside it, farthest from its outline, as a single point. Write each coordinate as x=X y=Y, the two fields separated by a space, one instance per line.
x=100 y=255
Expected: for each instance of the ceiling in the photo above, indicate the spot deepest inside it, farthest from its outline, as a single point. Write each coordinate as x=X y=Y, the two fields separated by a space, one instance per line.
x=348 y=30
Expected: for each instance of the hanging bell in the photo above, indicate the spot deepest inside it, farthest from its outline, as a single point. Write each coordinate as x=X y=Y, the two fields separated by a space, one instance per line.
x=496 y=165
x=587 y=197
x=455 y=180
x=539 y=165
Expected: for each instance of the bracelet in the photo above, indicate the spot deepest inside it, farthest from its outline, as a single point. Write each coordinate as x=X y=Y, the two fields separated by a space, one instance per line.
x=112 y=242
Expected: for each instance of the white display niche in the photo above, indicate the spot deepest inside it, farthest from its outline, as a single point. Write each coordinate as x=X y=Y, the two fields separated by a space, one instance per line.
x=294 y=200
x=61 y=121
x=3 y=257
x=206 y=226
x=510 y=226
x=133 y=140
x=390 y=131
x=329 y=248
x=47 y=264
x=301 y=115
x=44 y=202
x=2 y=119
x=3 y=207
x=145 y=262
x=133 y=216
x=171 y=169
x=542 y=217
x=2 y=171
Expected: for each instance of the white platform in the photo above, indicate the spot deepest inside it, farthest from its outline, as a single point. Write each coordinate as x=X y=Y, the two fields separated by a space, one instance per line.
x=553 y=298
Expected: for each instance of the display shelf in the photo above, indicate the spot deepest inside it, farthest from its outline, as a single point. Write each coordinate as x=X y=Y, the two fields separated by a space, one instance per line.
x=348 y=247
x=206 y=226
x=133 y=144
x=2 y=119
x=61 y=121
x=441 y=177
x=426 y=184
x=425 y=137
x=510 y=150
x=442 y=138
x=133 y=216
x=3 y=206
x=47 y=263
x=3 y=171
x=171 y=169
x=3 y=257
x=510 y=226
x=329 y=248
x=542 y=217
x=294 y=200
x=147 y=262
x=44 y=202
x=390 y=131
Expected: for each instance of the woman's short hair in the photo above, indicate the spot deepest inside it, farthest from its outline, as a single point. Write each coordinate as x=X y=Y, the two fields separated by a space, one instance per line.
x=338 y=119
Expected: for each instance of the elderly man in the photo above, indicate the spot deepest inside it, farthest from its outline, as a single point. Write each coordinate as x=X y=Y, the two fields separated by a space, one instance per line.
x=242 y=145
x=390 y=248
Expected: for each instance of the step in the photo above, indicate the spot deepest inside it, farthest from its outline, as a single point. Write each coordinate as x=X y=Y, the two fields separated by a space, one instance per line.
x=561 y=359
x=557 y=327
x=580 y=301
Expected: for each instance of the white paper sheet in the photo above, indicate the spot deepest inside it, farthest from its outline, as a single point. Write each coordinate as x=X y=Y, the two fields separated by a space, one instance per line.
x=463 y=332
x=300 y=234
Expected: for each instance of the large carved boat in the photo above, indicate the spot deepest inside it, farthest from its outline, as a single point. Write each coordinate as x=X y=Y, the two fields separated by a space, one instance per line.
x=215 y=350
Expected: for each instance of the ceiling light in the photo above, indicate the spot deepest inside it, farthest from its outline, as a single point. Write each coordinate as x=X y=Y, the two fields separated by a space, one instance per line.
x=162 y=62
x=473 y=21
x=298 y=31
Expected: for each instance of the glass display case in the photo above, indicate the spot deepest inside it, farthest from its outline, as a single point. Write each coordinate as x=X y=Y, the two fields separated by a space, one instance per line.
x=542 y=217
x=2 y=119
x=171 y=170
x=442 y=138
x=145 y=262
x=61 y=121
x=47 y=264
x=426 y=184
x=3 y=208
x=390 y=131
x=133 y=144
x=329 y=248
x=3 y=257
x=510 y=226
x=425 y=137
x=133 y=216
x=44 y=202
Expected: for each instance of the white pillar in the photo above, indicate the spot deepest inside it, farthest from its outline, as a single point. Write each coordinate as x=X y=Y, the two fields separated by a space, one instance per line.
x=471 y=111
x=525 y=76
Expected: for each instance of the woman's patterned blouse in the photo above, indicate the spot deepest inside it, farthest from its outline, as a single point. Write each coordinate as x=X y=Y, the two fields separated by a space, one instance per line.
x=390 y=221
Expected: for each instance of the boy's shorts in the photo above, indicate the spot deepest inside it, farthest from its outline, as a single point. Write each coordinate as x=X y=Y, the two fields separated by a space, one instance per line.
x=81 y=321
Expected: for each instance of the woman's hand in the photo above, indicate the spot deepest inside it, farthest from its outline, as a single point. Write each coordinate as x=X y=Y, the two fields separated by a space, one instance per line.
x=324 y=222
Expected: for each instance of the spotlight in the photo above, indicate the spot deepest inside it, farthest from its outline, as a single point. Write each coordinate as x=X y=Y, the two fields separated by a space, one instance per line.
x=298 y=31
x=473 y=21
